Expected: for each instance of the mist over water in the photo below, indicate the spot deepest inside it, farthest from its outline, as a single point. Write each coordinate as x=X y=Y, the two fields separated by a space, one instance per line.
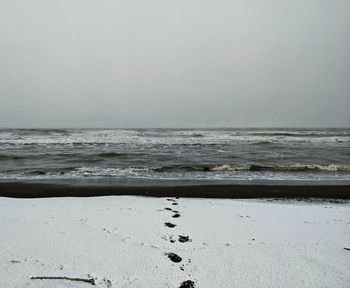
x=166 y=63
x=176 y=154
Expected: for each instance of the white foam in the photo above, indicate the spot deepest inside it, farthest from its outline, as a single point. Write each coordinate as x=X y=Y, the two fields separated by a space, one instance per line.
x=167 y=137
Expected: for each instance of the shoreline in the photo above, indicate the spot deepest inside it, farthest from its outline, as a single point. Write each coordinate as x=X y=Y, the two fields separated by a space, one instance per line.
x=229 y=191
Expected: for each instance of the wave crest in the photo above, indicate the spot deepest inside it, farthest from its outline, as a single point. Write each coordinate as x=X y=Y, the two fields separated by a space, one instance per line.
x=283 y=168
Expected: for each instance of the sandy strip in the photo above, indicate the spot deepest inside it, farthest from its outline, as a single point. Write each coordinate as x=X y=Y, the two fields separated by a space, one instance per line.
x=125 y=241
x=64 y=188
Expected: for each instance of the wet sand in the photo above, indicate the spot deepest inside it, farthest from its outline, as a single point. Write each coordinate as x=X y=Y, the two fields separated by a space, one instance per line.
x=237 y=191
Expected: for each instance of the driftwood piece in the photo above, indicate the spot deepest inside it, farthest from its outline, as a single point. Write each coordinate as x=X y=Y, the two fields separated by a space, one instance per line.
x=86 y=280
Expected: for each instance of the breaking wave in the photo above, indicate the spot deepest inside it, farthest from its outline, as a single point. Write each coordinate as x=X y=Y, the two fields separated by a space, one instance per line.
x=114 y=171
x=169 y=137
x=259 y=167
x=283 y=168
x=175 y=153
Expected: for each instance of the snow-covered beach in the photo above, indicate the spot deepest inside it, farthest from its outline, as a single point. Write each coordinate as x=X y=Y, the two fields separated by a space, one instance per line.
x=127 y=241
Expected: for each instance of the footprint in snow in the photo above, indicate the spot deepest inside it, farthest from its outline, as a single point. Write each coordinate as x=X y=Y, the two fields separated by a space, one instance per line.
x=173 y=257
x=187 y=284
x=184 y=239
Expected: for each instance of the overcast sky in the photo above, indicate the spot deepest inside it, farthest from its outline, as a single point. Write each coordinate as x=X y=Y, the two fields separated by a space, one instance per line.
x=174 y=63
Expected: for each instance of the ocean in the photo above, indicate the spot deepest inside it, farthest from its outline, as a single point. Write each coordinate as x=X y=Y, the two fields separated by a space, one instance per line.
x=175 y=155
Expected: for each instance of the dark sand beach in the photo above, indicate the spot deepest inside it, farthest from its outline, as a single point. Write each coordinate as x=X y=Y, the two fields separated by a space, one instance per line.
x=46 y=189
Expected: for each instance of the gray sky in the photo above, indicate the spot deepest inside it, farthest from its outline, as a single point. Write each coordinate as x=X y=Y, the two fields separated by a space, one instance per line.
x=174 y=63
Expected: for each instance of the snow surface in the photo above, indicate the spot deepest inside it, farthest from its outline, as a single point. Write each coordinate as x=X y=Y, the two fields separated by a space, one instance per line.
x=122 y=241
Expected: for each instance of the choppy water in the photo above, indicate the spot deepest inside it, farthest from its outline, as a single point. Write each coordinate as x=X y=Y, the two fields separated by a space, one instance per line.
x=173 y=154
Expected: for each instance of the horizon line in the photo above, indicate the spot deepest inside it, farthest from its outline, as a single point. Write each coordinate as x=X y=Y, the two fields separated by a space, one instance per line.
x=188 y=128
